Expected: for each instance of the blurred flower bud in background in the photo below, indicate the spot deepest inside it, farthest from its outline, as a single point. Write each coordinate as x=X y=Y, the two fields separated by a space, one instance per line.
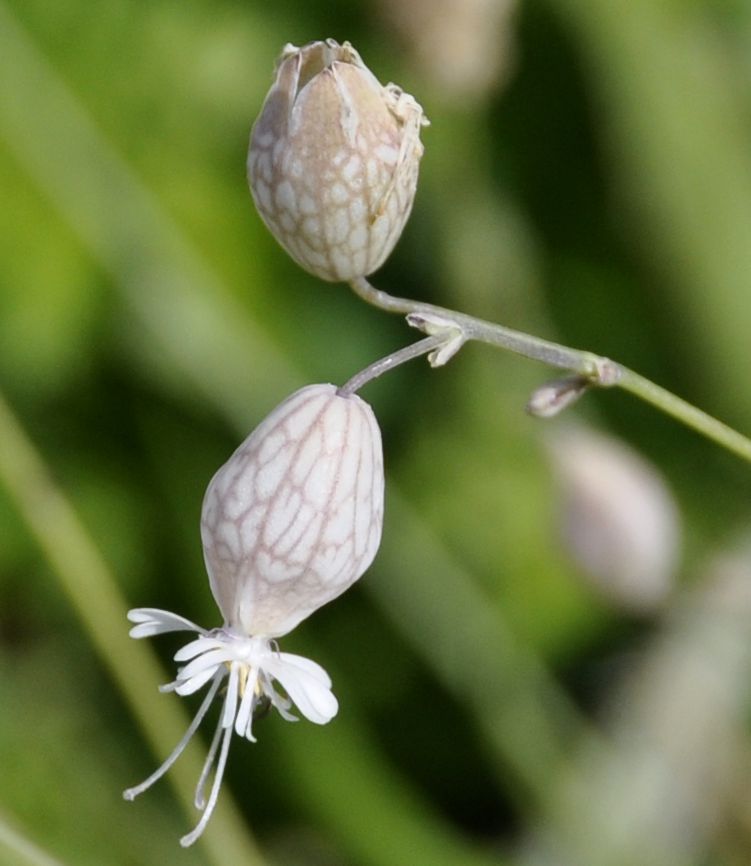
x=333 y=161
x=464 y=47
x=617 y=517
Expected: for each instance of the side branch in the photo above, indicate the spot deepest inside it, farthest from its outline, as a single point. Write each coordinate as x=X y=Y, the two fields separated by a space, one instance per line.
x=600 y=371
x=589 y=370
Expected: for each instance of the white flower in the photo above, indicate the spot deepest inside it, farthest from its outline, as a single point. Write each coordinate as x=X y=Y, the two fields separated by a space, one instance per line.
x=250 y=665
x=289 y=522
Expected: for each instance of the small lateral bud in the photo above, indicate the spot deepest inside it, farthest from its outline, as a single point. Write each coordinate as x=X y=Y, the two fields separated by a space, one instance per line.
x=333 y=160
x=552 y=398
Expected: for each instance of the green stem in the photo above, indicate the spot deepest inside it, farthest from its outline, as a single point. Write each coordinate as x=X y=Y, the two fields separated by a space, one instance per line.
x=678 y=408
x=483 y=331
x=599 y=371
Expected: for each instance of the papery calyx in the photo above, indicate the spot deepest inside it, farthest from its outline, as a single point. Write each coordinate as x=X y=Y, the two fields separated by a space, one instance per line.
x=333 y=160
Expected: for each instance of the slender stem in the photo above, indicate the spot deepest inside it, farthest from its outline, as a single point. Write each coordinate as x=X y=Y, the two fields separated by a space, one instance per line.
x=485 y=332
x=686 y=412
x=379 y=367
x=599 y=371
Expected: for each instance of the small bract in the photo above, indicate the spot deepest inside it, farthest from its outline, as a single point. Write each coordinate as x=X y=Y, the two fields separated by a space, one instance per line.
x=333 y=160
x=289 y=522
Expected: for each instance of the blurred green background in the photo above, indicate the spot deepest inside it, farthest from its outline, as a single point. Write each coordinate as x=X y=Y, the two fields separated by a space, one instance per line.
x=587 y=177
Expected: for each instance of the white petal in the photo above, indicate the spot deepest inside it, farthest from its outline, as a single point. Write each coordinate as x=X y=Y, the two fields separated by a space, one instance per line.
x=194 y=683
x=244 y=719
x=151 y=621
x=279 y=701
x=307 y=665
x=314 y=699
x=211 y=659
x=196 y=647
x=230 y=702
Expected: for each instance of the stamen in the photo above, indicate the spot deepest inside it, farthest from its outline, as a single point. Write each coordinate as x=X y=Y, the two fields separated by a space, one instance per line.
x=191 y=837
x=132 y=793
x=198 y=800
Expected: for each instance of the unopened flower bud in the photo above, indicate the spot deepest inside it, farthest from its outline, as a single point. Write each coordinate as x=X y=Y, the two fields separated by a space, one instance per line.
x=618 y=517
x=552 y=398
x=294 y=517
x=465 y=47
x=333 y=160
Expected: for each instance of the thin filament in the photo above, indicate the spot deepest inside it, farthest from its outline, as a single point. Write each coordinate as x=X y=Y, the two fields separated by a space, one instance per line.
x=191 y=837
x=198 y=800
x=132 y=793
